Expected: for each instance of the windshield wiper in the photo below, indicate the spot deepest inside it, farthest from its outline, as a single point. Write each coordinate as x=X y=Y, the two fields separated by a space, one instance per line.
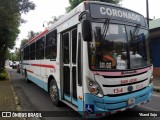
x=134 y=34
x=105 y=27
x=134 y=38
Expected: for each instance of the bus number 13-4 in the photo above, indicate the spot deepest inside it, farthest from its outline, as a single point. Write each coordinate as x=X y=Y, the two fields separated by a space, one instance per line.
x=118 y=90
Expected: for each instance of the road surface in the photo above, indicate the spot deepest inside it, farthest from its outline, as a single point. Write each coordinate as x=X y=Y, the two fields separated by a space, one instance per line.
x=33 y=98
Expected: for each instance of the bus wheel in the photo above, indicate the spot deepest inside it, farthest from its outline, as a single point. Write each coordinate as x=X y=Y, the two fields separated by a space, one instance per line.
x=53 y=93
x=26 y=77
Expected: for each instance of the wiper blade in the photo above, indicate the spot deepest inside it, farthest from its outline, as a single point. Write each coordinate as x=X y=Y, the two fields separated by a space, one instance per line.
x=136 y=30
x=105 y=27
x=133 y=35
x=134 y=38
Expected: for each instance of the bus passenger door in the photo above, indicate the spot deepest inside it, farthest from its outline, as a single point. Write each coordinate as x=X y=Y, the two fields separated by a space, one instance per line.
x=69 y=59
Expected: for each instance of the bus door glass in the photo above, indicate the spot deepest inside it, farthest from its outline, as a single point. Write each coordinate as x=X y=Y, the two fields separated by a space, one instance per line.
x=69 y=55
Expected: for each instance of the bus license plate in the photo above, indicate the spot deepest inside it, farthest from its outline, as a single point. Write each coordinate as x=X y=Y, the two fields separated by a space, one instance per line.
x=131 y=101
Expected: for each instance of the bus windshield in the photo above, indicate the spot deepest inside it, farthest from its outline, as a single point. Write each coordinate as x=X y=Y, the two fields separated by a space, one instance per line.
x=118 y=47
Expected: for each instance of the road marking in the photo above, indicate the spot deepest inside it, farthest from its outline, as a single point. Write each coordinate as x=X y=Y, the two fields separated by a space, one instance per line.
x=148 y=108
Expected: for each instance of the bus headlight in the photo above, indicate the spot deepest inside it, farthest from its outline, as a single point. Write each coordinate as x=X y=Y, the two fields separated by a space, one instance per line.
x=94 y=88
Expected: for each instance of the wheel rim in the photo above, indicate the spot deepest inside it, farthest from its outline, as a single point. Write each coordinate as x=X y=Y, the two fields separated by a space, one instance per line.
x=53 y=92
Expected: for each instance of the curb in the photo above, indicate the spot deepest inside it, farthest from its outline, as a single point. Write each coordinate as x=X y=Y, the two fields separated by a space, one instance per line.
x=156 y=89
x=17 y=101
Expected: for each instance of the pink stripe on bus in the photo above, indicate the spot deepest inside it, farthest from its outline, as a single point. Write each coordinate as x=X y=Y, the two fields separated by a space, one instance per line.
x=38 y=36
x=30 y=71
x=43 y=65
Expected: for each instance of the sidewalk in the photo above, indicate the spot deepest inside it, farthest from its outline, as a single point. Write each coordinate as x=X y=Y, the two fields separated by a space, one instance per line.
x=156 y=82
x=7 y=99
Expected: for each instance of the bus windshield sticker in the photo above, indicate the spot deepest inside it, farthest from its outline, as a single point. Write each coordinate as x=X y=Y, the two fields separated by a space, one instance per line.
x=105 y=64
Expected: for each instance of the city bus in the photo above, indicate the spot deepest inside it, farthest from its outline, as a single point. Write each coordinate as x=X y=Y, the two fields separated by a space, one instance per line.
x=96 y=59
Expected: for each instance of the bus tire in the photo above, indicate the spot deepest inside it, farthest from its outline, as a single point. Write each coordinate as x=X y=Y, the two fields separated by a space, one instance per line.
x=26 y=77
x=53 y=93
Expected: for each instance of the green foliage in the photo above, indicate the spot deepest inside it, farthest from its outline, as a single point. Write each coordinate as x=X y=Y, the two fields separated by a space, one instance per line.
x=74 y=3
x=7 y=55
x=23 y=42
x=15 y=56
x=31 y=34
x=110 y=1
x=24 y=6
x=54 y=19
x=3 y=74
x=10 y=19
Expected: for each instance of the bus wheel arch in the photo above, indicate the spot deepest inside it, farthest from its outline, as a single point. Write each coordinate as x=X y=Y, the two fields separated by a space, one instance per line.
x=53 y=91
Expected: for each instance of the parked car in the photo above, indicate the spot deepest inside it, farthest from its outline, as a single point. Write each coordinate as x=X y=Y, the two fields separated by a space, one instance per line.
x=15 y=64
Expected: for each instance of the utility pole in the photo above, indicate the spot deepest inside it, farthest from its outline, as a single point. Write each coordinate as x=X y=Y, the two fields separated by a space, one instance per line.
x=147 y=11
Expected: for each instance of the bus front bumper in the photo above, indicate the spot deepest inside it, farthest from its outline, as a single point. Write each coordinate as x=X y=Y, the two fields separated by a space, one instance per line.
x=108 y=105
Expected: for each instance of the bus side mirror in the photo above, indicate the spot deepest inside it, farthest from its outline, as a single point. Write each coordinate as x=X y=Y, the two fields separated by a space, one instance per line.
x=86 y=30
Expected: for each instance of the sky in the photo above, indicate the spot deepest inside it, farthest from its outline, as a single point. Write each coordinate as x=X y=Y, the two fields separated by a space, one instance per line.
x=46 y=9
x=140 y=7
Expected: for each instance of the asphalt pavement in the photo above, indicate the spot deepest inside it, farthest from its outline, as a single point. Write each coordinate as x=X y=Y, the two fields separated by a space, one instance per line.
x=33 y=98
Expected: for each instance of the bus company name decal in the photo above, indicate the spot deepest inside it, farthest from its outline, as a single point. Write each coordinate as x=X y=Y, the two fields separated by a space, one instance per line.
x=119 y=13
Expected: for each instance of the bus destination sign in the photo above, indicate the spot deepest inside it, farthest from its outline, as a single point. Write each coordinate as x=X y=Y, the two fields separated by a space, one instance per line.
x=117 y=13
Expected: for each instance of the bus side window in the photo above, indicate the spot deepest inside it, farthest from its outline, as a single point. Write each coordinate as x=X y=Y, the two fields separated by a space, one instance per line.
x=51 y=45
x=79 y=61
x=40 y=48
x=74 y=45
x=32 y=51
x=24 y=56
x=27 y=52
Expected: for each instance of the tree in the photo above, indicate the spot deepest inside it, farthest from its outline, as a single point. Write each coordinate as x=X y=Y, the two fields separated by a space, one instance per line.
x=74 y=3
x=23 y=42
x=15 y=56
x=10 y=11
x=54 y=19
x=32 y=34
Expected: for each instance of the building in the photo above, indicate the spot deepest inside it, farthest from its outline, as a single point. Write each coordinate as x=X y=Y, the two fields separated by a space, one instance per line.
x=154 y=27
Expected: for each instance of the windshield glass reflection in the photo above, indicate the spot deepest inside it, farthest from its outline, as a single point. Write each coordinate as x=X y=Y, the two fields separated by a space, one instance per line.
x=110 y=48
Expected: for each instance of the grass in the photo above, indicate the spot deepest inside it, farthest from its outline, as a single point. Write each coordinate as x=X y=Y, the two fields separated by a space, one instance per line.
x=3 y=74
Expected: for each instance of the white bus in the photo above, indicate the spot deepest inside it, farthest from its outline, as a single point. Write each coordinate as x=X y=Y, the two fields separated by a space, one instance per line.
x=96 y=59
